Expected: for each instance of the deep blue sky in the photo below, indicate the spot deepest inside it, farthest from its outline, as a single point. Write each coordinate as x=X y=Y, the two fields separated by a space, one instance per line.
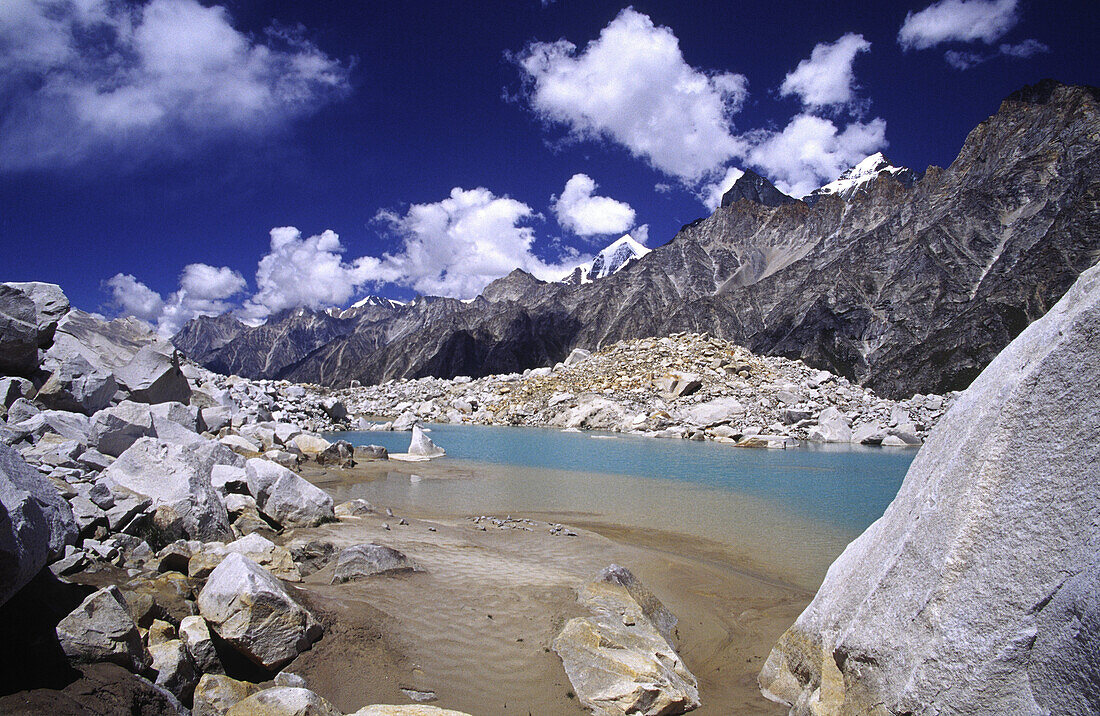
x=424 y=107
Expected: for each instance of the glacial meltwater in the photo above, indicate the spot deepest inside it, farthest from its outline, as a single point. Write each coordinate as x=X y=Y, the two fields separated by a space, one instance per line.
x=786 y=514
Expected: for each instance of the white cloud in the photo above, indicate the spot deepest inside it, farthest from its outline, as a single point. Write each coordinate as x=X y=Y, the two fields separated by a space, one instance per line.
x=711 y=194
x=640 y=234
x=306 y=272
x=811 y=151
x=1027 y=48
x=1022 y=50
x=826 y=78
x=632 y=86
x=203 y=291
x=79 y=78
x=135 y=298
x=586 y=215
x=457 y=246
x=958 y=20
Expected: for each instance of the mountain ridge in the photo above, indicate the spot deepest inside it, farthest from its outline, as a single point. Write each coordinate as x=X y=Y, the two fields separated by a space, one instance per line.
x=902 y=288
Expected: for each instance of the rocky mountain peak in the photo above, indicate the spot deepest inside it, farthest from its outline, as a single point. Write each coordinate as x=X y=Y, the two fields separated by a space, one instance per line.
x=757 y=189
x=858 y=178
x=515 y=285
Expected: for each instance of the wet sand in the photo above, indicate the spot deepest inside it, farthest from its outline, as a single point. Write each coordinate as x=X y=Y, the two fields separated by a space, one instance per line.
x=476 y=626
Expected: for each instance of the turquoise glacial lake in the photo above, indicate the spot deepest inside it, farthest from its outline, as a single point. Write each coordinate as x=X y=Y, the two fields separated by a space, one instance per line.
x=786 y=512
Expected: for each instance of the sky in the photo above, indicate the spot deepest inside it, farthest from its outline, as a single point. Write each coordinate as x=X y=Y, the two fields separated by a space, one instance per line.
x=171 y=158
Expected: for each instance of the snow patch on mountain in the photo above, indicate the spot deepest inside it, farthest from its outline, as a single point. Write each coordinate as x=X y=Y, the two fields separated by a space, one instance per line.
x=612 y=259
x=856 y=179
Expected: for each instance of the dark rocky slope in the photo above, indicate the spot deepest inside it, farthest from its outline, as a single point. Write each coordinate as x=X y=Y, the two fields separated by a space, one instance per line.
x=902 y=288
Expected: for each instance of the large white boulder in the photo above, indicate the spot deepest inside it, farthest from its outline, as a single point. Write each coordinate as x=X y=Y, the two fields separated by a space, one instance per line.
x=117 y=428
x=284 y=701
x=422 y=445
x=252 y=610
x=621 y=659
x=832 y=427
x=177 y=479
x=35 y=522
x=285 y=497
x=713 y=412
x=102 y=628
x=153 y=376
x=975 y=593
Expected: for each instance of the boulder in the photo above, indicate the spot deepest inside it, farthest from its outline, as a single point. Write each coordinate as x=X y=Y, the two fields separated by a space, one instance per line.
x=113 y=430
x=832 y=427
x=371 y=452
x=713 y=412
x=250 y=609
x=678 y=385
x=272 y=557
x=241 y=445
x=152 y=376
x=422 y=445
x=868 y=434
x=229 y=478
x=975 y=592
x=50 y=306
x=309 y=443
x=177 y=480
x=340 y=453
x=285 y=497
x=77 y=385
x=334 y=408
x=196 y=637
x=175 y=423
x=175 y=669
x=577 y=355
x=284 y=701
x=53 y=507
x=216 y=694
x=71 y=426
x=354 y=508
x=214 y=418
x=12 y=389
x=103 y=629
x=365 y=560
x=405 y=421
x=620 y=659
x=18 y=332
x=35 y=522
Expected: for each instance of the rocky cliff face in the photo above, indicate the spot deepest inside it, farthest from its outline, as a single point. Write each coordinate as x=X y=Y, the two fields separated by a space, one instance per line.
x=203 y=336
x=903 y=287
x=976 y=590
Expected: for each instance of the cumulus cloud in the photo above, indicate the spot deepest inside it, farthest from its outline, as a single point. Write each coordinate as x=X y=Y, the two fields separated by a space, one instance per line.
x=80 y=78
x=633 y=87
x=203 y=291
x=958 y=20
x=827 y=78
x=811 y=151
x=135 y=298
x=457 y=246
x=711 y=194
x=308 y=272
x=579 y=211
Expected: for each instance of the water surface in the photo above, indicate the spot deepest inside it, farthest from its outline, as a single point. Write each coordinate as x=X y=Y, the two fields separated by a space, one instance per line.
x=788 y=513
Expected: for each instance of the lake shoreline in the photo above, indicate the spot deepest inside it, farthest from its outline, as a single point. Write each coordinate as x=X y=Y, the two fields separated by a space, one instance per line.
x=430 y=628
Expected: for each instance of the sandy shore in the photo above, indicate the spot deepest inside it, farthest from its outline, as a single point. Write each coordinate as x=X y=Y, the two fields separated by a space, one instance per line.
x=476 y=626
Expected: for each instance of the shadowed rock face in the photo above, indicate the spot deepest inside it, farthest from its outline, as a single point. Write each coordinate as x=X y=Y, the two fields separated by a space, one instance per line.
x=976 y=592
x=752 y=187
x=901 y=288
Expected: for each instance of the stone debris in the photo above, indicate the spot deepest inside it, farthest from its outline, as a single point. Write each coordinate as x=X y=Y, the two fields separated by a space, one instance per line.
x=681 y=386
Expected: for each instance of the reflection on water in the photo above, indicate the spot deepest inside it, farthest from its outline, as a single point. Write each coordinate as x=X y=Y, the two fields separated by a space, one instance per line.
x=786 y=512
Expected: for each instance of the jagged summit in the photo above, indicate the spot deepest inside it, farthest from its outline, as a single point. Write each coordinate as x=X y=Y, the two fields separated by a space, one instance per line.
x=612 y=259
x=757 y=189
x=376 y=301
x=855 y=180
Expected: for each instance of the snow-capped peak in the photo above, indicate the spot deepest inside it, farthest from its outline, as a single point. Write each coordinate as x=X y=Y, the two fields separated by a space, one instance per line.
x=376 y=301
x=613 y=258
x=853 y=180
x=365 y=302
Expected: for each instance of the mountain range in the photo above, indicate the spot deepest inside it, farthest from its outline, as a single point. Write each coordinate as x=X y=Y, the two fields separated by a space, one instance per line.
x=902 y=283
